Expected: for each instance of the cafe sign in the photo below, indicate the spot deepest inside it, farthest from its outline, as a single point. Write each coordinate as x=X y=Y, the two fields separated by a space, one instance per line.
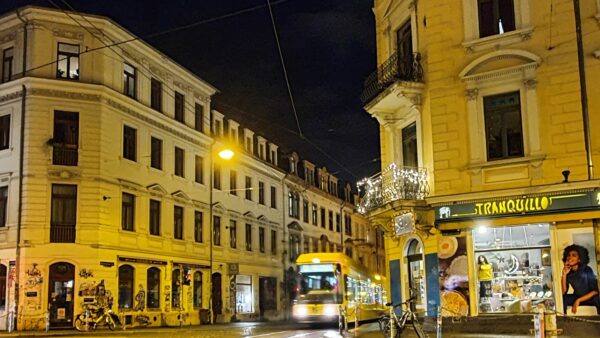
x=519 y=205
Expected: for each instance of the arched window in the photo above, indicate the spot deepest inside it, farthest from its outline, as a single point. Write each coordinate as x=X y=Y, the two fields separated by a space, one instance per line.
x=2 y=286
x=153 y=286
x=176 y=289
x=197 y=289
x=126 y=273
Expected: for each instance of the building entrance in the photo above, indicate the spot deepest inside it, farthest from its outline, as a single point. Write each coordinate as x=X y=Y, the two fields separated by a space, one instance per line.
x=60 y=294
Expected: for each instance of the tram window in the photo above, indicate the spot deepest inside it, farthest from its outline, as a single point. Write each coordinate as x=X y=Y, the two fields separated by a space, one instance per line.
x=350 y=289
x=319 y=283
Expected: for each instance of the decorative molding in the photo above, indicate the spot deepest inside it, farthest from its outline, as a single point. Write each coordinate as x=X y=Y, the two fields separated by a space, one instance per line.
x=498 y=41
x=68 y=34
x=11 y=96
x=156 y=190
x=130 y=185
x=530 y=83
x=472 y=94
x=64 y=174
x=148 y=120
x=8 y=37
x=65 y=94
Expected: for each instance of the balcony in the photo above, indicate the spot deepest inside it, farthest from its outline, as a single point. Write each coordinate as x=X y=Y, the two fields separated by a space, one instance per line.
x=64 y=154
x=392 y=184
x=64 y=233
x=392 y=70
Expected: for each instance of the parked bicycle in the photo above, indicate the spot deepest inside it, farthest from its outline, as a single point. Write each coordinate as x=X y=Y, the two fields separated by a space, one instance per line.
x=91 y=317
x=391 y=326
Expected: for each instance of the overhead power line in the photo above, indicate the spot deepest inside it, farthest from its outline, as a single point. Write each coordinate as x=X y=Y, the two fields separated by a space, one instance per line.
x=111 y=44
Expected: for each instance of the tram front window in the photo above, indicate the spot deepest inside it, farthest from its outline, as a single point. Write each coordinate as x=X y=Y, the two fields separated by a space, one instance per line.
x=318 y=284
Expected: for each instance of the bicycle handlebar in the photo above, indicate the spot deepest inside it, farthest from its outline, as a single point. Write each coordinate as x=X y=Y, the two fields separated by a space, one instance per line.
x=406 y=302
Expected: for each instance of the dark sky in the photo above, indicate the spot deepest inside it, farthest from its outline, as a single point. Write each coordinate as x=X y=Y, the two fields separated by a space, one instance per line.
x=328 y=47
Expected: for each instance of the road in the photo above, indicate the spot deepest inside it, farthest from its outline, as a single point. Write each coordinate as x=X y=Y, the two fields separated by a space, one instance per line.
x=247 y=330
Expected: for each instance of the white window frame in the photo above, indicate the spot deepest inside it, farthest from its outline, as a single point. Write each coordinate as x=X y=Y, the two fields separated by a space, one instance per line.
x=520 y=78
x=398 y=17
x=473 y=43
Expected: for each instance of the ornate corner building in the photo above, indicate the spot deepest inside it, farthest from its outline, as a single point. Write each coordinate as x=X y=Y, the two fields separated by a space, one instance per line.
x=484 y=178
x=110 y=184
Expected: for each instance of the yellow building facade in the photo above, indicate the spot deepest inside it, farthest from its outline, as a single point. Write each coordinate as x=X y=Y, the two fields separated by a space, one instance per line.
x=110 y=181
x=483 y=151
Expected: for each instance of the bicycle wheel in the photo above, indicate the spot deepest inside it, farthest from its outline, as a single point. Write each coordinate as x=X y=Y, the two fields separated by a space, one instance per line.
x=80 y=324
x=418 y=329
x=110 y=323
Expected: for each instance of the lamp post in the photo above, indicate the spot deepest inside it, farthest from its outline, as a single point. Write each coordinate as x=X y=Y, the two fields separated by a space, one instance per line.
x=225 y=154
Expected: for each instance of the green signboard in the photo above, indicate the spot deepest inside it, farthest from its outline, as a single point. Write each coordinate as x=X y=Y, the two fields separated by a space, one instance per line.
x=519 y=205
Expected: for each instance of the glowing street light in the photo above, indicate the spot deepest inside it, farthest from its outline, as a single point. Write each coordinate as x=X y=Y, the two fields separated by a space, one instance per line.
x=225 y=154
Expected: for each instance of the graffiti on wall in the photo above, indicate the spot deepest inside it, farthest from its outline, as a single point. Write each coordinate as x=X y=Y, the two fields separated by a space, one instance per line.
x=140 y=299
x=95 y=293
x=34 y=276
x=86 y=273
x=33 y=288
x=167 y=298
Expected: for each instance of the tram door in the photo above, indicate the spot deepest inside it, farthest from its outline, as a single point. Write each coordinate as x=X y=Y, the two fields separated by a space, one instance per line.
x=60 y=294
x=416 y=275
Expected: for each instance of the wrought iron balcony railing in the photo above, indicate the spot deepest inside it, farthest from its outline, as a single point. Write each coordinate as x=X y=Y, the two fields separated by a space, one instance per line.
x=394 y=183
x=64 y=155
x=395 y=68
x=63 y=233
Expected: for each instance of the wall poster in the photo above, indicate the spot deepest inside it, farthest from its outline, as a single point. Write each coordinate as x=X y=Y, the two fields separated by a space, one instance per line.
x=453 y=276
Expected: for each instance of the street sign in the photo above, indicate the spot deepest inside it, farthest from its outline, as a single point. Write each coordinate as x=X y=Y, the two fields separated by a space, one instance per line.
x=234 y=268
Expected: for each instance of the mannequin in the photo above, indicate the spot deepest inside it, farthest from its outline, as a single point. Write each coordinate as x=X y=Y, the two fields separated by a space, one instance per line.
x=485 y=274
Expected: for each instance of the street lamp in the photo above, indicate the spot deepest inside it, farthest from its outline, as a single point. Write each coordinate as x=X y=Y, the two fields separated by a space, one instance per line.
x=225 y=154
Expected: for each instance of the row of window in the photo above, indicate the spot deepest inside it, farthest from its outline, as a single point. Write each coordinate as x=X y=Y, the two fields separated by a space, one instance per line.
x=294 y=212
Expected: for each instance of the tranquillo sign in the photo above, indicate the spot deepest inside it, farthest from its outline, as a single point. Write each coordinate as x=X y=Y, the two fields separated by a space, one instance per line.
x=524 y=205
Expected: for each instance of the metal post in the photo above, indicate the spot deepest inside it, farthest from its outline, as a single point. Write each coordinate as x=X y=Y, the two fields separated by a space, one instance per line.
x=538 y=323
x=356 y=313
x=10 y=321
x=439 y=321
x=583 y=89
x=211 y=230
x=392 y=323
x=47 y=321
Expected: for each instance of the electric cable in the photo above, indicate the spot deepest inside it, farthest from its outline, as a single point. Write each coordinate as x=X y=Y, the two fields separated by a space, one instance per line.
x=285 y=74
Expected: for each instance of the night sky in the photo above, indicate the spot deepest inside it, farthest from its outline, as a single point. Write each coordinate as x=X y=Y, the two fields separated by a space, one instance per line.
x=328 y=47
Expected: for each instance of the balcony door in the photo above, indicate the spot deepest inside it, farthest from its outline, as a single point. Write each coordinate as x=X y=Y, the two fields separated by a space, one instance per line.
x=65 y=140
x=410 y=156
x=404 y=48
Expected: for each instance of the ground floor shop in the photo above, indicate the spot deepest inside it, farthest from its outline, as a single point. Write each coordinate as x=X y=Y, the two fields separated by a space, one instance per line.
x=500 y=256
x=142 y=289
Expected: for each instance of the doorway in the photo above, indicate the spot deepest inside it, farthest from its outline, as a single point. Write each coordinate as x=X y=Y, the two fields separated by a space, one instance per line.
x=60 y=294
x=216 y=297
x=416 y=274
x=267 y=295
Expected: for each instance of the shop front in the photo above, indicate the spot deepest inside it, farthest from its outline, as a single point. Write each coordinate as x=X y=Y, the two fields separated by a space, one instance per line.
x=505 y=255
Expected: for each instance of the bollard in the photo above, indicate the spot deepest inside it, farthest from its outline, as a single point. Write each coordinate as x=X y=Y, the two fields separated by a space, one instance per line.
x=439 y=321
x=123 y=320
x=87 y=322
x=47 y=321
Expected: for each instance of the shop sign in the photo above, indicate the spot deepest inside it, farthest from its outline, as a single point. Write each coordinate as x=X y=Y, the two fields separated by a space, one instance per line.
x=519 y=205
x=192 y=265
x=141 y=260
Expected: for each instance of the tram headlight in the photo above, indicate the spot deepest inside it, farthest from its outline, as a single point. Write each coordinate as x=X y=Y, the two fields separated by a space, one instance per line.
x=300 y=311
x=330 y=310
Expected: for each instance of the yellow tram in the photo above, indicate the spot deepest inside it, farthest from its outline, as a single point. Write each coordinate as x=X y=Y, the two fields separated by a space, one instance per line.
x=327 y=282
